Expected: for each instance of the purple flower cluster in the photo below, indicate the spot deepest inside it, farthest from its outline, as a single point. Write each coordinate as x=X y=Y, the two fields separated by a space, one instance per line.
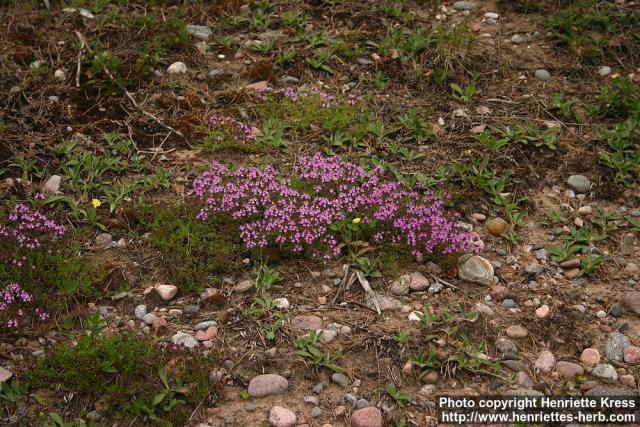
x=232 y=128
x=327 y=191
x=27 y=230
x=10 y=299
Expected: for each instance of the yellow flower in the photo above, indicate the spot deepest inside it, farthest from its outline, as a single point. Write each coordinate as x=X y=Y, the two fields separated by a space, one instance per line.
x=96 y=203
x=467 y=152
x=356 y=220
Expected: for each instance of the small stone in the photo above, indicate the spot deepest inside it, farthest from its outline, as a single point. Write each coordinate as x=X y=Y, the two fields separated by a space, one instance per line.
x=243 y=286
x=364 y=61
x=258 y=86
x=601 y=314
x=279 y=416
x=579 y=183
x=60 y=74
x=181 y=338
x=464 y=5
x=542 y=311
x=496 y=226
x=516 y=331
x=435 y=288
x=52 y=185
x=508 y=303
x=605 y=372
x=545 y=362
x=385 y=302
x=614 y=347
x=604 y=70
x=103 y=240
x=140 y=311
x=306 y=322
x=542 y=74
x=626 y=244
x=327 y=335
x=568 y=369
x=430 y=377
x=177 y=68
x=631 y=268
x=590 y=356
x=5 y=375
x=209 y=294
x=570 y=263
x=523 y=380
x=205 y=325
x=201 y=32
x=400 y=286
x=534 y=269
x=282 y=303
x=631 y=354
x=149 y=318
x=315 y=412
x=367 y=417
x=267 y=385
x=271 y=353
x=475 y=269
x=505 y=345
x=317 y=388
x=190 y=309
x=631 y=300
x=166 y=292
x=628 y=380
x=340 y=379
x=499 y=292
x=517 y=39
x=491 y=15
x=572 y=273
x=484 y=309
x=208 y=334
x=418 y=282
x=119 y=296
x=158 y=323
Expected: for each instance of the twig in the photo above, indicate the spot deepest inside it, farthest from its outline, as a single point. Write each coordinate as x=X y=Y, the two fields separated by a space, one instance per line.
x=439 y=280
x=365 y=285
x=80 y=55
x=345 y=277
x=126 y=92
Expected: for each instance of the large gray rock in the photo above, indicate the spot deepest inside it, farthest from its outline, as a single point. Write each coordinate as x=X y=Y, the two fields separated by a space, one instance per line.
x=614 y=347
x=579 y=183
x=475 y=269
x=605 y=372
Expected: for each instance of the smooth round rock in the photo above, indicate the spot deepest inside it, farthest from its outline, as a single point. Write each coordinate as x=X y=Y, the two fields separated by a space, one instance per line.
x=605 y=372
x=279 y=416
x=542 y=74
x=367 y=417
x=568 y=369
x=496 y=226
x=267 y=385
x=517 y=331
x=542 y=311
x=177 y=68
x=590 y=356
x=545 y=362
x=632 y=354
x=579 y=183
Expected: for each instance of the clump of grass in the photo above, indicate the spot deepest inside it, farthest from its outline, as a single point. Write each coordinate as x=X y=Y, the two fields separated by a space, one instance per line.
x=123 y=377
x=594 y=29
x=194 y=252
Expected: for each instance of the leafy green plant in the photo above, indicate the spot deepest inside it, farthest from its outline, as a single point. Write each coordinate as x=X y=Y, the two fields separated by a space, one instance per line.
x=565 y=107
x=294 y=19
x=402 y=338
x=401 y=398
x=263 y=47
x=464 y=94
x=407 y=45
x=590 y=263
x=490 y=141
x=380 y=81
x=417 y=124
x=308 y=347
x=563 y=251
